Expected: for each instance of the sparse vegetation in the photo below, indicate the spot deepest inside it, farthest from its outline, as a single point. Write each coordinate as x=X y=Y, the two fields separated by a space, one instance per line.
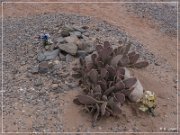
x=106 y=85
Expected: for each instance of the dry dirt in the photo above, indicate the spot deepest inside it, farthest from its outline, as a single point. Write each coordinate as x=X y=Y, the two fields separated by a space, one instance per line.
x=159 y=79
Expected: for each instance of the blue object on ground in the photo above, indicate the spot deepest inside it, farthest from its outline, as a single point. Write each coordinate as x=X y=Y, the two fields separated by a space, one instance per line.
x=45 y=37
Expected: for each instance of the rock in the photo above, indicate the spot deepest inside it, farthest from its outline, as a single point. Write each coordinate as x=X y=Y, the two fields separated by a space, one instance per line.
x=86 y=34
x=41 y=57
x=85 y=27
x=84 y=45
x=157 y=62
x=66 y=31
x=34 y=70
x=43 y=67
x=80 y=29
x=54 y=86
x=97 y=29
x=69 y=48
x=89 y=44
x=69 y=58
x=56 y=62
x=120 y=42
x=31 y=55
x=38 y=82
x=51 y=54
x=81 y=53
x=71 y=39
x=60 y=40
x=77 y=33
x=50 y=41
x=127 y=74
x=23 y=62
x=35 y=42
x=48 y=55
x=57 y=66
x=29 y=75
x=80 y=44
x=57 y=90
x=47 y=47
x=86 y=38
x=55 y=81
x=137 y=93
x=90 y=49
x=62 y=57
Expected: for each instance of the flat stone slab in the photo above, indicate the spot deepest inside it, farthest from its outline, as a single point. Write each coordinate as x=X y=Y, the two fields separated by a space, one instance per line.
x=69 y=48
x=48 y=55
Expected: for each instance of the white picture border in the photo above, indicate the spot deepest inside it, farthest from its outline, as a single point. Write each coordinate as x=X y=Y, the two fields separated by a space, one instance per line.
x=2 y=130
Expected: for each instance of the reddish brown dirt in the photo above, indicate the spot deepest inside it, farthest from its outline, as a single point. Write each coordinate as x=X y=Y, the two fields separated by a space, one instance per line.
x=153 y=78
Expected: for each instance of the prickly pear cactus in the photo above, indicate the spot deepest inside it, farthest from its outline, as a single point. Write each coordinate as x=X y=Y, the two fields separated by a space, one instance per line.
x=104 y=77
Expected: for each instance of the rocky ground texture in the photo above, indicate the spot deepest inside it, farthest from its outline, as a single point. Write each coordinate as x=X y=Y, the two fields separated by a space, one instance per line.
x=162 y=14
x=33 y=73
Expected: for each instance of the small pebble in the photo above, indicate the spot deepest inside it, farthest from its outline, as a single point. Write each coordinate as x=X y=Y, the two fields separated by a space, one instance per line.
x=54 y=86
x=43 y=67
x=69 y=58
x=38 y=82
x=86 y=34
x=34 y=70
x=23 y=63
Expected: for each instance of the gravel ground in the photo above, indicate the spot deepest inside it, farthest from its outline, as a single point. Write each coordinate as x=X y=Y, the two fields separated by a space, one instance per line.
x=163 y=14
x=30 y=104
x=28 y=100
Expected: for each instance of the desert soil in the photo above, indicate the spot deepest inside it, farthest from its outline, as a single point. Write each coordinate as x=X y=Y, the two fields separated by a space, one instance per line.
x=43 y=110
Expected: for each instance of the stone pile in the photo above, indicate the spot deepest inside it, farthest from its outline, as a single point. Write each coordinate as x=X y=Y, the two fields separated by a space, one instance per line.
x=72 y=42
